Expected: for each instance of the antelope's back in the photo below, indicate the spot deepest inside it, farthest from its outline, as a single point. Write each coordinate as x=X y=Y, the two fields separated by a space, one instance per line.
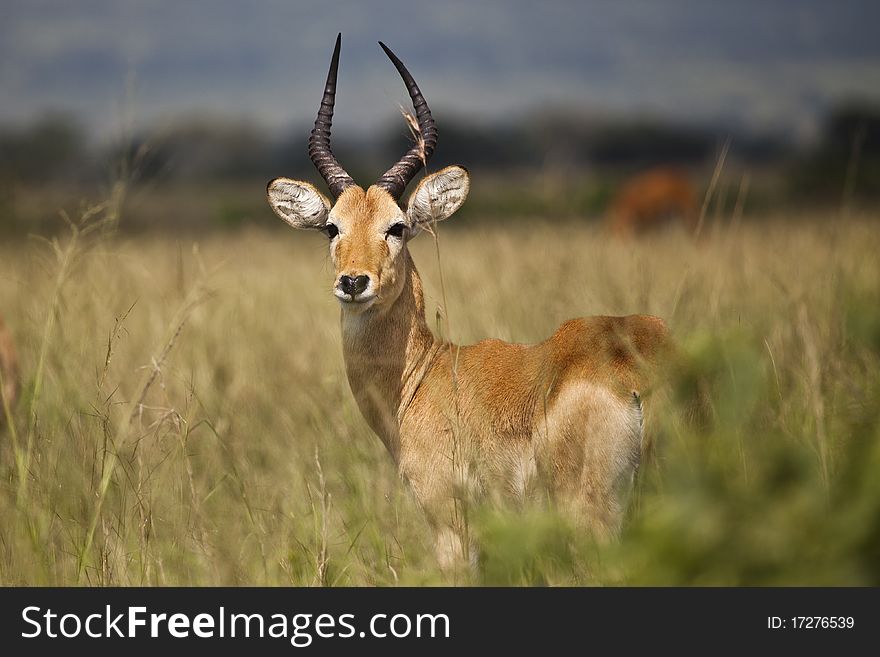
x=619 y=353
x=503 y=387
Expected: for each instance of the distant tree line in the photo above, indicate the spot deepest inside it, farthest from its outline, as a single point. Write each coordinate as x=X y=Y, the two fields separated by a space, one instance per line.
x=54 y=148
x=846 y=162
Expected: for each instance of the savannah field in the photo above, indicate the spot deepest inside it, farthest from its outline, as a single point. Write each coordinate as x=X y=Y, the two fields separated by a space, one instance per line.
x=185 y=417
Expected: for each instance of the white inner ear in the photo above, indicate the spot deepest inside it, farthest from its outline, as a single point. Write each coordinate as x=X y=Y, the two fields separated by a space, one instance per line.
x=439 y=195
x=298 y=203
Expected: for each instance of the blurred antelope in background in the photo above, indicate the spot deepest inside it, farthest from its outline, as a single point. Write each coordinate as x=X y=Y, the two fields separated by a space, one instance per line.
x=653 y=199
x=8 y=372
x=489 y=417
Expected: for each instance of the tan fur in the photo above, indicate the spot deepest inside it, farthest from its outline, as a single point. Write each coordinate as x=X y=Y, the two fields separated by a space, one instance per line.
x=654 y=199
x=364 y=217
x=492 y=418
x=8 y=371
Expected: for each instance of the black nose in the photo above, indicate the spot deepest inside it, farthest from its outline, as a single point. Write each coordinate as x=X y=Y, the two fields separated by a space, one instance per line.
x=353 y=285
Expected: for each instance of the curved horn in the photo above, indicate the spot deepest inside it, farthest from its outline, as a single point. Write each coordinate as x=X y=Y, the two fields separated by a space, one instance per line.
x=319 y=141
x=398 y=177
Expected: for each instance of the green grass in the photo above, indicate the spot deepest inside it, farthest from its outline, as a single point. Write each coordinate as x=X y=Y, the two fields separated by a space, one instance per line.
x=185 y=416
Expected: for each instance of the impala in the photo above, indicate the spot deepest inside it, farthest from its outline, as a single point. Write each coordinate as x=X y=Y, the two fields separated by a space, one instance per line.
x=8 y=372
x=489 y=417
x=653 y=199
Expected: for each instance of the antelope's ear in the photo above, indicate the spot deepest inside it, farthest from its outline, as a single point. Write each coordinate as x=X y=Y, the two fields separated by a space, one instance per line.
x=298 y=203
x=438 y=196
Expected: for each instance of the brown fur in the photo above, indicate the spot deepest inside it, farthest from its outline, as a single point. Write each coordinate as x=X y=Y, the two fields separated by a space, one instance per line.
x=8 y=371
x=654 y=199
x=492 y=416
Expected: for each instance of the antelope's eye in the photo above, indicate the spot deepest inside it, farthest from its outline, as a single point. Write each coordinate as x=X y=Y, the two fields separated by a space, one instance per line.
x=331 y=230
x=396 y=230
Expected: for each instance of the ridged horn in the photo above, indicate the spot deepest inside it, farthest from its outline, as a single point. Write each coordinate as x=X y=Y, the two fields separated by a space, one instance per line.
x=398 y=177
x=319 y=142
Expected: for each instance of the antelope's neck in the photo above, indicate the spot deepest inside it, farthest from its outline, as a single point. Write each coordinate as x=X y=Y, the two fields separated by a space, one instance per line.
x=387 y=353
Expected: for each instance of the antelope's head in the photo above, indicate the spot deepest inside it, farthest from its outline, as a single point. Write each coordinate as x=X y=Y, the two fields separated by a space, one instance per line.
x=368 y=230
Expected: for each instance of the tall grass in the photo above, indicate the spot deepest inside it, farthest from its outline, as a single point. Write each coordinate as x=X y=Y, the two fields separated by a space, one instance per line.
x=186 y=419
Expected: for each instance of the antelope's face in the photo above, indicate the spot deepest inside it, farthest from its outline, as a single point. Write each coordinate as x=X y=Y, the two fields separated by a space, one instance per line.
x=368 y=230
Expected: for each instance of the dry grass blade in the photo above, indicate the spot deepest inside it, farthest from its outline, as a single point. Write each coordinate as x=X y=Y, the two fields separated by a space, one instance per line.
x=204 y=490
x=120 y=437
x=716 y=175
x=416 y=135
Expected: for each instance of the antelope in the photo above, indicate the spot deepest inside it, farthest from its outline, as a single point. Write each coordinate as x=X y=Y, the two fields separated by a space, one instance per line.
x=491 y=417
x=8 y=372
x=653 y=199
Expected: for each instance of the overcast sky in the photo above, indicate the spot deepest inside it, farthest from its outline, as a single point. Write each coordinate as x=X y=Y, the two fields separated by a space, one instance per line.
x=767 y=65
